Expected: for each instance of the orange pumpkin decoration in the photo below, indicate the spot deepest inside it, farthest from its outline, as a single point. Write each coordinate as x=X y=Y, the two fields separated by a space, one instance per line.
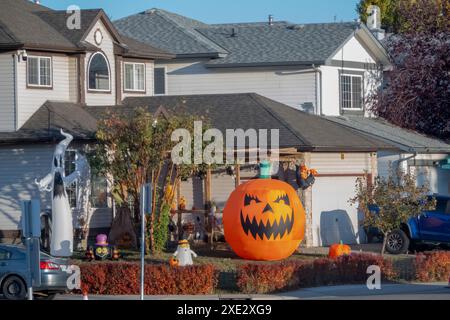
x=264 y=220
x=173 y=262
x=339 y=250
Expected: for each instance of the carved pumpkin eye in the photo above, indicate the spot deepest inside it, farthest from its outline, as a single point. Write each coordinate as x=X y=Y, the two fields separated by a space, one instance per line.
x=248 y=200
x=285 y=199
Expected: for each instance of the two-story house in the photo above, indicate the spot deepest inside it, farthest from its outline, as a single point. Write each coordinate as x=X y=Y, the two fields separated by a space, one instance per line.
x=328 y=69
x=245 y=76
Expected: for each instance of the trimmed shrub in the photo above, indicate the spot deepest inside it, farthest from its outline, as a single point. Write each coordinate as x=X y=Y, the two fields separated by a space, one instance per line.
x=124 y=279
x=269 y=278
x=433 y=266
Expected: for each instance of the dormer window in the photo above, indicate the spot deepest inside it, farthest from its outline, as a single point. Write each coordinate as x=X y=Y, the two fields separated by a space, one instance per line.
x=99 y=75
x=351 y=92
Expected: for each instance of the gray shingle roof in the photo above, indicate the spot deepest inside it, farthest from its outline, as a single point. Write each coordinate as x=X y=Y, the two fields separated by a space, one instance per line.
x=252 y=111
x=46 y=122
x=406 y=140
x=167 y=31
x=31 y=25
x=253 y=43
x=222 y=111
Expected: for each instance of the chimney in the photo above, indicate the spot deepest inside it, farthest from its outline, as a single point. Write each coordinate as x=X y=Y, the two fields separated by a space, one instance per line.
x=270 y=20
x=374 y=22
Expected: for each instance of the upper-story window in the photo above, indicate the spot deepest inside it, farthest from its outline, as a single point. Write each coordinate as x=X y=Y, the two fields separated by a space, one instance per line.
x=39 y=72
x=351 y=92
x=99 y=78
x=134 y=79
x=160 y=80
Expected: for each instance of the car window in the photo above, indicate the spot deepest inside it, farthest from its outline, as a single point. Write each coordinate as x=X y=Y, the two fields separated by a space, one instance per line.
x=443 y=206
x=4 y=254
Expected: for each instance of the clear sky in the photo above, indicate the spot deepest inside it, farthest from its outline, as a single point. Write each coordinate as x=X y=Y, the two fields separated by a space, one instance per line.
x=219 y=11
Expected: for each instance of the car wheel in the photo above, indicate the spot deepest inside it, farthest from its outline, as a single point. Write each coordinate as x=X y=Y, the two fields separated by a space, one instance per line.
x=397 y=242
x=14 y=288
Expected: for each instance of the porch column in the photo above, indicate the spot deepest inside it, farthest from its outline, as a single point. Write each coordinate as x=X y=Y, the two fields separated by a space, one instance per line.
x=306 y=197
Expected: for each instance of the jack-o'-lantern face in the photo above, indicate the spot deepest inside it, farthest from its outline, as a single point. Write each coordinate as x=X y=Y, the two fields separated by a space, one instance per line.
x=268 y=216
x=264 y=220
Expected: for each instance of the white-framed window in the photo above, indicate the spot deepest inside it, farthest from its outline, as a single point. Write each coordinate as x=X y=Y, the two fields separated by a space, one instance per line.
x=351 y=92
x=160 y=85
x=134 y=79
x=39 y=71
x=99 y=74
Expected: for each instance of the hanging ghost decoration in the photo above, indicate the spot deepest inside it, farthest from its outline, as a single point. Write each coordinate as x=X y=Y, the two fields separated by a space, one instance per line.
x=61 y=239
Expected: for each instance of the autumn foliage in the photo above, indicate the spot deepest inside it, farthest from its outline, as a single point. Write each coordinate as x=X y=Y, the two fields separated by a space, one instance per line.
x=124 y=279
x=433 y=266
x=291 y=275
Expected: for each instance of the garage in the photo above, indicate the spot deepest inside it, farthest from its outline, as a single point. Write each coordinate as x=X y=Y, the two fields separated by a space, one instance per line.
x=333 y=218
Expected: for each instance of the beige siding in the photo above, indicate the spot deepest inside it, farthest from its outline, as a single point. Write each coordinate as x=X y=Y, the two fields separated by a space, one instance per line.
x=221 y=187
x=291 y=86
x=7 y=111
x=192 y=191
x=107 y=47
x=337 y=163
x=19 y=166
x=149 y=66
x=73 y=79
x=354 y=51
x=31 y=99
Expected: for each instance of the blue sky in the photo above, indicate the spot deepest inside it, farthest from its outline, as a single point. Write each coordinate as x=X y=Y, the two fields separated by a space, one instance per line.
x=214 y=11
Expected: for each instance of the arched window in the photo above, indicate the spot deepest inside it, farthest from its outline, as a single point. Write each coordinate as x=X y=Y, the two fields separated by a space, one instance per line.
x=98 y=73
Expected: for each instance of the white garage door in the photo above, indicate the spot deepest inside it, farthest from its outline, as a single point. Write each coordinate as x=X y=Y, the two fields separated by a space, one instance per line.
x=333 y=218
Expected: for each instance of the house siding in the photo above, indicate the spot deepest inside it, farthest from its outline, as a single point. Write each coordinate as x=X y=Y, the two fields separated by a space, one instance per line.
x=292 y=86
x=31 y=99
x=7 y=108
x=107 y=48
x=341 y=163
x=19 y=167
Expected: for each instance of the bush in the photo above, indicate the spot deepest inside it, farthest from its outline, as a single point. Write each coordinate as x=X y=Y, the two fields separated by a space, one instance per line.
x=433 y=266
x=269 y=278
x=124 y=279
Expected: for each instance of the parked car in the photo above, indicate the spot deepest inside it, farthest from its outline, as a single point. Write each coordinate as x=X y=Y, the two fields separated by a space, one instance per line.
x=13 y=274
x=429 y=228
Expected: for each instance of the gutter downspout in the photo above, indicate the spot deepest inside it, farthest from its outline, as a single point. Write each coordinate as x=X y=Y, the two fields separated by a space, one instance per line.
x=16 y=117
x=318 y=90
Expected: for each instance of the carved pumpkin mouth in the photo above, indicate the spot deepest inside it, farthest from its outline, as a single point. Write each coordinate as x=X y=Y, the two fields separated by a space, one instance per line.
x=278 y=228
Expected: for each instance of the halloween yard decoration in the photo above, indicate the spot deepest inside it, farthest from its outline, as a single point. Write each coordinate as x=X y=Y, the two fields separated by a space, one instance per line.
x=184 y=254
x=264 y=220
x=102 y=250
x=305 y=177
x=61 y=240
x=339 y=250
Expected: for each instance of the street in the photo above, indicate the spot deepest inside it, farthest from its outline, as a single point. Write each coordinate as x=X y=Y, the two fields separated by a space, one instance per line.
x=414 y=291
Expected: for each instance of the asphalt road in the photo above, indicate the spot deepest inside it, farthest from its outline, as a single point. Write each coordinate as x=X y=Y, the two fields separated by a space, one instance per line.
x=434 y=291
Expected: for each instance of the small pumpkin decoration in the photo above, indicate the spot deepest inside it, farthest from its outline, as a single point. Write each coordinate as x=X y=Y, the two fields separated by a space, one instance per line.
x=173 y=262
x=339 y=250
x=264 y=220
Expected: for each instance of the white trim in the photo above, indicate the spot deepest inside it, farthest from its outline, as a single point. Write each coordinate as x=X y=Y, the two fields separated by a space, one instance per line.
x=351 y=87
x=135 y=80
x=165 y=82
x=39 y=58
x=109 y=73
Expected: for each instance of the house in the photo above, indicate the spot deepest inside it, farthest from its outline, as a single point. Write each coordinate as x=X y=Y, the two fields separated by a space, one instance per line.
x=54 y=77
x=326 y=69
x=339 y=154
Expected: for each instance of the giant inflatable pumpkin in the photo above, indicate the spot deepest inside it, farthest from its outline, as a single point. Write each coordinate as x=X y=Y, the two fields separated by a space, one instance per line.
x=264 y=220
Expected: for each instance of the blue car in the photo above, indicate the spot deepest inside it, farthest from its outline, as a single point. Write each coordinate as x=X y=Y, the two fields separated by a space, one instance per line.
x=429 y=228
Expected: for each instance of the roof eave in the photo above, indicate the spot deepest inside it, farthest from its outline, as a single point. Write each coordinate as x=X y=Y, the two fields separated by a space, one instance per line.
x=265 y=64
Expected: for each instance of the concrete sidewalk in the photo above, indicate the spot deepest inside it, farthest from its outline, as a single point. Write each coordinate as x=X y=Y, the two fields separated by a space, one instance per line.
x=412 y=291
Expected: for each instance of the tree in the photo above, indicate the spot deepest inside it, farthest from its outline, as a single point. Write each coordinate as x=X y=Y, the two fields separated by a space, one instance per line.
x=397 y=197
x=134 y=150
x=389 y=16
x=415 y=94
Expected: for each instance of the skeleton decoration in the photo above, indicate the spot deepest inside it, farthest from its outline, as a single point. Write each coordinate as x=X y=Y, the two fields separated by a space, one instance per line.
x=61 y=240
